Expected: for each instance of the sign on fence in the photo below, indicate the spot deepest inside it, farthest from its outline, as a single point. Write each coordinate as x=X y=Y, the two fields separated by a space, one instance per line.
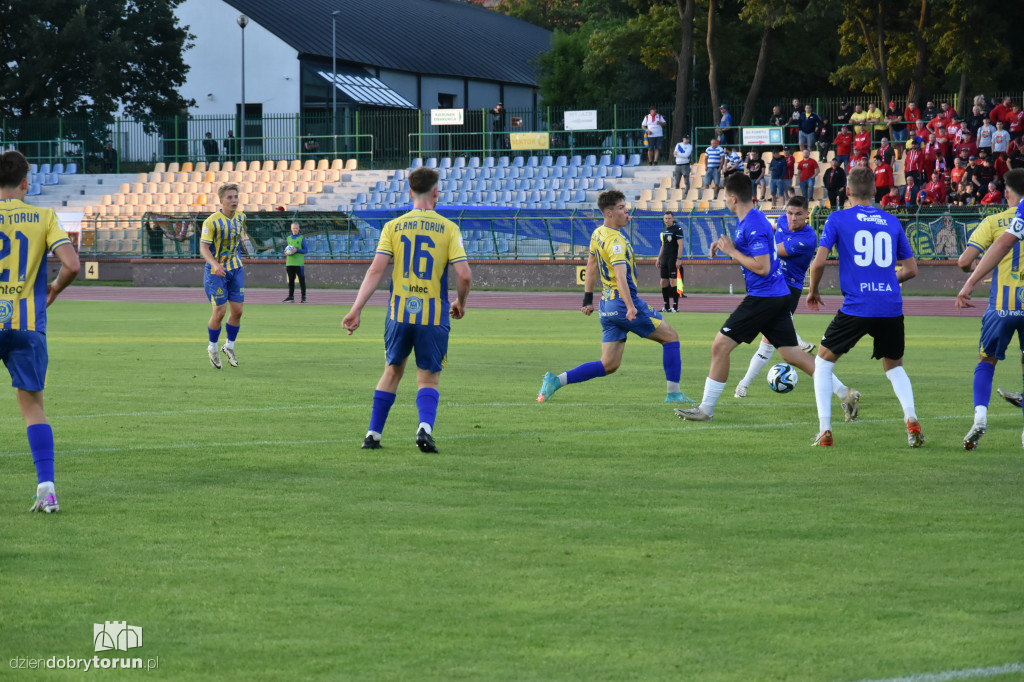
x=761 y=136
x=446 y=117
x=524 y=141
x=581 y=120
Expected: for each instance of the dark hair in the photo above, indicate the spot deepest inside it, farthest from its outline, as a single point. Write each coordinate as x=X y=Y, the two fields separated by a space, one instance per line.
x=740 y=186
x=670 y=213
x=13 y=168
x=609 y=199
x=423 y=180
x=797 y=202
x=1014 y=180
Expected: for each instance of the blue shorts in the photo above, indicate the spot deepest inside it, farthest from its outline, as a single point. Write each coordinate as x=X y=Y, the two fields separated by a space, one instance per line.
x=429 y=341
x=24 y=354
x=231 y=287
x=997 y=329
x=615 y=326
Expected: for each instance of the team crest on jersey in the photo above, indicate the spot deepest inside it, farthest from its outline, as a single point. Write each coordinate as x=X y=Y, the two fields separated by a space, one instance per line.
x=617 y=248
x=220 y=292
x=6 y=311
x=414 y=306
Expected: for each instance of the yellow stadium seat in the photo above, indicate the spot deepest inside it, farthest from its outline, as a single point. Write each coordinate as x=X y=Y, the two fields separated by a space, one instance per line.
x=125 y=188
x=309 y=165
x=172 y=167
x=351 y=165
x=160 y=168
x=241 y=166
x=228 y=166
x=338 y=164
x=186 y=167
x=107 y=200
x=200 y=167
x=666 y=182
x=646 y=195
x=295 y=165
x=213 y=167
x=323 y=164
x=661 y=194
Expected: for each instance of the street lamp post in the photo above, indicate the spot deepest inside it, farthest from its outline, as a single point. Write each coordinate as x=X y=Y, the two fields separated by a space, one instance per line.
x=334 y=84
x=243 y=21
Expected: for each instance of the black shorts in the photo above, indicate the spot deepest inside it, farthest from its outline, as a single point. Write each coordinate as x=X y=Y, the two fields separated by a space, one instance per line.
x=845 y=331
x=668 y=268
x=768 y=315
x=794 y=299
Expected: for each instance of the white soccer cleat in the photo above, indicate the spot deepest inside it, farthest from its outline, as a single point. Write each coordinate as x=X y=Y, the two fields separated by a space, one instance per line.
x=973 y=436
x=45 y=499
x=850 y=404
x=694 y=414
x=1010 y=397
x=214 y=357
x=807 y=347
x=741 y=391
x=230 y=352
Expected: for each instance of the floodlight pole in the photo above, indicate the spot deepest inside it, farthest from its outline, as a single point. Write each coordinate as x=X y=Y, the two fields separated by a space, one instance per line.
x=334 y=83
x=242 y=21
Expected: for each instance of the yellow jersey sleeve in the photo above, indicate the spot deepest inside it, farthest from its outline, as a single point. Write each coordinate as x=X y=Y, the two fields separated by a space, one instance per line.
x=55 y=234
x=385 y=244
x=456 y=249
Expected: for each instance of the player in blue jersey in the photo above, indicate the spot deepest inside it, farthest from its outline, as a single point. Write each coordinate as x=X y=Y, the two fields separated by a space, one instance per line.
x=223 y=276
x=796 y=242
x=1000 y=235
x=621 y=309
x=870 y=243
x=26 y=234
x=764 y=310
x=422 y=244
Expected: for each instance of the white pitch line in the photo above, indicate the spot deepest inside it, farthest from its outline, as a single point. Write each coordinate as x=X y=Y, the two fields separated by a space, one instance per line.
x=965 y=674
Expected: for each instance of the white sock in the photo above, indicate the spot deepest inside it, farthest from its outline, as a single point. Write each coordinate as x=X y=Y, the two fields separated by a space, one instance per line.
x=563 y=378
x=904 y=391
x=212 y=347
x=375 y=434
x=823 y=392
x=426 y=427
x=229 y=344
x=981 y=415
x=712 y=392
x=762 y=356
x=673 y=386
x=838 y=387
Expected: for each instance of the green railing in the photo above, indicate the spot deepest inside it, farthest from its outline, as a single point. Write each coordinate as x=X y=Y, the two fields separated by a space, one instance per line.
x=313 y=147
x=569 y=143
x=53 y=152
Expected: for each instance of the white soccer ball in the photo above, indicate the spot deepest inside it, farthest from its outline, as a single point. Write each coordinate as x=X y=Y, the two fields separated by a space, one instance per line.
x=289 y=250
x=782 y=377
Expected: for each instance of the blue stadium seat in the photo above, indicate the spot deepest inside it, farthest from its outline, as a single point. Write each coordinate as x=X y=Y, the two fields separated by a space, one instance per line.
x=472 y=173
x=591 y=160
x=72 y=169
x=565 y=195
x=546 y=205
x=431 y=162
x=573 y=172
x=500 y=173
x=447 y=198
x=520 y=197
x=532 y=172
x=502 y=162
x=505 y=198
x=474 y=162
x=517 y=162
x=588 y=172
x=58 y=168
x=34 y=189
x=491 y=198
x=360 y=199
x=515 y=173
x=606 y=160
x=598 y=184
x=580 y=197
x=620 y=160
x=443 y=173
x=560 y=205
x=576 y=160
x=549 y=196
x=376 y=199
x=559 y=172
x=634 y=160
x=533 y=197
x=381 y=186
x=462 y=198
x=561 y=162
x=488 y=162
x=535 y=162
x=601 y=171
x=446 y=162
x=460 y=162
x=45 y=169
x=614 y=172
x=417 y=163
x=33 y=168
x=51 y=179
x=476 y=198
x=504 y=245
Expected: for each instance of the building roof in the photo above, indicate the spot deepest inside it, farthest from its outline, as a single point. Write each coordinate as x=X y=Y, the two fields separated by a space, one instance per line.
x=439 y=37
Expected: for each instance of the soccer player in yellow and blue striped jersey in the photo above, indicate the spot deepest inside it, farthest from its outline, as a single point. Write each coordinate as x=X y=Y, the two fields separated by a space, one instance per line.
x=223 y=276
x=1005 y=313
x=621 y=308
x=422 y=245
x=27 y=233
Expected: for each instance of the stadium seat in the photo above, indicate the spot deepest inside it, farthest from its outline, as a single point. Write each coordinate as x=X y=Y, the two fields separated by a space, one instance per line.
x=474 y=162
x=576 y=160
x=446 y=162
x=590 y=160
x=460 y=162
x=352 y=164
x=634 y=160
x=503 y=162
x=45 y=169
x=517 y=162
x=580 y=197
x=488 y=162
x=620 y=160
x=35 y=189
x=547 y=162
x=186 y=167
x=431 y=162
x=58 y=168
x=33 y=168
x=606 y=160
x=51 y=179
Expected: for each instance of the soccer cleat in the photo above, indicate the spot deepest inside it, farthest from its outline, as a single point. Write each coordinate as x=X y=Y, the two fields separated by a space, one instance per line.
x=973 y=436
x=290 y=299
x=1014 y=399
x=914 y=436
x=45 y=500
x=665 y=309
x=678 y=397
x=741 y=391
x=823 y=439
x=303 y=300
x=230 y=352
x=807 y=347
x=850 y=404
x=694 y=414
x=674 y=310
x=371 y=443
x=425 y=441
x=548 y=387
x=214 y=357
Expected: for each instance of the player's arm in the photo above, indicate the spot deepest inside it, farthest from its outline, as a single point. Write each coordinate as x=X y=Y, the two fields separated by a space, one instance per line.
x=69 y=268
x=817 y=269
x=370 y=281
x=995 y=253
x=215 y=267
x=622 y=284
x=968 y=258
x=759 y=265
x=463 y=282
x=589 y=281
x=661 y=252
x=908 y=269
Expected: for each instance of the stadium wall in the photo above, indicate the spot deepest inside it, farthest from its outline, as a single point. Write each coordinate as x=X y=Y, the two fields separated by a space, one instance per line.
x=933 y=276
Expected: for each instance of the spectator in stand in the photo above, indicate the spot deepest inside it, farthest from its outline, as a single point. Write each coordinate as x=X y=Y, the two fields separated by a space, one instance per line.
x=970 y=169
x=919 y=133
x=777 y=170
x=844 y=144
x=930 y=111
x=942 y=141
x=875 y=116
x=894 y=119
x=924 y=198
x=714 y=157
x=940 y=119
x=911 y=191
x=857 y=117
x=985 y=135
x=824 y=140
x=725 y=125
x=794 y=120
x=777 y=119
x=733 y=162
x=892 y=199
x=1000 y=139
x=966 y=145
x=808 y=126
x=966 y=196
x=790 y=172
x=1000 y=166
x=755 y=171
x=994 y=196
x=932 y=154
x=109 y=159
x=954 y=129
x=845 y=110
x=683 y=153
x=936 y=188
x=956 y=175
x=983 y=174
x=862 y=141
x=956 y=192
x=886 y=151
x=975 y=120
x=1001 y=111
x=1016 y=159
x=808 y=168
x=913 y=163
x=883 y=178
x=911 y=113
x=835 y=184
x=1016 y=122
x=654 y=125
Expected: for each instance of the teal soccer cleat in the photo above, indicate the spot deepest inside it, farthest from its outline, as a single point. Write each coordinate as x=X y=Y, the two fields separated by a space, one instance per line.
x=548 y=388
x=678 y=397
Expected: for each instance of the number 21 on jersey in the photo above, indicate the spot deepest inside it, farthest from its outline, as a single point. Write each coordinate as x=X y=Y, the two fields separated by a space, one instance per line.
x=5 y=256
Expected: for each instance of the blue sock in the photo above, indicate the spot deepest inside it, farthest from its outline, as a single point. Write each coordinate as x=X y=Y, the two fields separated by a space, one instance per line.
x=426 y=405
x=214 y=335
x=672 y=362
x=585 y=372
x=382 y=402
x=983 y=383
x=40 y=441
x=232 y=331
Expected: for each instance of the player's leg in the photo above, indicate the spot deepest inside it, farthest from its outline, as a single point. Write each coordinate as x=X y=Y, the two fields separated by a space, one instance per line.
x=670 y=360
x=398 y=344
x=236 y=300
x=666 y=294
x=431 y=347
x=302 y=281
x=995 y=338
x=762 y=356
x=889 y=338
x=217 y=293
x=613 y=341
x=673 y=292
x=290 y=269
x=843 y=333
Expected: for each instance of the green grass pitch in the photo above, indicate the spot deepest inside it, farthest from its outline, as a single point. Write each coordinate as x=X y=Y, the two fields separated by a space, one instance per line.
x=233 y=516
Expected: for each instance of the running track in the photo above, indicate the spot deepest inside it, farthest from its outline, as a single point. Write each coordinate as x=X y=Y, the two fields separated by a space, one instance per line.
x=928 y=306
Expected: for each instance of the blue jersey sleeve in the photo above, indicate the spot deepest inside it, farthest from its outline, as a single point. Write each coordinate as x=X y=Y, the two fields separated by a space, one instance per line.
x=903 y=250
